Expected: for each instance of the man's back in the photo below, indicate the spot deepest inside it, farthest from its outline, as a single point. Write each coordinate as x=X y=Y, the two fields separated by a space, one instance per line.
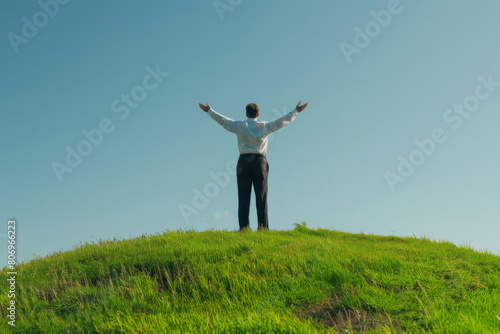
x=252 y=133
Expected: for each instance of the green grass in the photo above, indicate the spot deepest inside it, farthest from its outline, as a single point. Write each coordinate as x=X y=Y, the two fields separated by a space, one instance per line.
x=300 y=281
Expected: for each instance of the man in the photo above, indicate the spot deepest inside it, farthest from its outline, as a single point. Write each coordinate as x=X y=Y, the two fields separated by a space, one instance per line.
x=252 y=167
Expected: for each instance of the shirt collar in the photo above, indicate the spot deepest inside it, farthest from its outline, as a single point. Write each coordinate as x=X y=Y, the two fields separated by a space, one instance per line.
x=252 y=119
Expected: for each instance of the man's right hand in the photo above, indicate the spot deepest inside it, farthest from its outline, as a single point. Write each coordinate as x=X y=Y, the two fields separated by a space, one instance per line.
x=205 y=108
x=301 y=107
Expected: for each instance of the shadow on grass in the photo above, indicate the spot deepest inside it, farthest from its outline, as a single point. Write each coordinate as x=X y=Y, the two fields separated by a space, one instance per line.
x=348 y=319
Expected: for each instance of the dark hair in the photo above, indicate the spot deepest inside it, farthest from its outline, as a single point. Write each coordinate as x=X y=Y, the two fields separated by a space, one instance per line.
x=252 y=110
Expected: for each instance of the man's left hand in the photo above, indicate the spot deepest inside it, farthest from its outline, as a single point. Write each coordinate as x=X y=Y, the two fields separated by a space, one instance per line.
x=301 y=107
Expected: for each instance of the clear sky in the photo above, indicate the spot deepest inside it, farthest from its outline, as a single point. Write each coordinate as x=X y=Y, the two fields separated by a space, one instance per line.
x=101 y=135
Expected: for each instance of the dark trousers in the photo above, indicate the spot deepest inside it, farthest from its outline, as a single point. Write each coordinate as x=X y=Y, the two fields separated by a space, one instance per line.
x=252 y=168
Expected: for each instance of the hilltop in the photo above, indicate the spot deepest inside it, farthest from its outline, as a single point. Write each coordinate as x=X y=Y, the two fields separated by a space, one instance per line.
x=300 y=281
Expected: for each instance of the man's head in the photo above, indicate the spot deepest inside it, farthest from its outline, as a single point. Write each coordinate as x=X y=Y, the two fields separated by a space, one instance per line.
x=252 y=110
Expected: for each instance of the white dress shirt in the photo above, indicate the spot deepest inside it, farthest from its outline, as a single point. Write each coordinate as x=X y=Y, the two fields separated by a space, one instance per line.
x=252 y=133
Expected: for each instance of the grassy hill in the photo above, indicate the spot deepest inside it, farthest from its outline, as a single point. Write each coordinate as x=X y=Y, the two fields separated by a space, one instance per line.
x=300 y=281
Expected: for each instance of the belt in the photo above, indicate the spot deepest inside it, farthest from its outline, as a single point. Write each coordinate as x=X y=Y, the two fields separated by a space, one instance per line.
x=249 y=154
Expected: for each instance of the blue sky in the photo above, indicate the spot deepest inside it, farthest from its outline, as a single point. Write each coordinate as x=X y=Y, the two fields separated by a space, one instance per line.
x=378 y=76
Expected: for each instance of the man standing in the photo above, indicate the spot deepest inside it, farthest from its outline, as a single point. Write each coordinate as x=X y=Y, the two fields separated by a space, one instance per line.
x=252 y=167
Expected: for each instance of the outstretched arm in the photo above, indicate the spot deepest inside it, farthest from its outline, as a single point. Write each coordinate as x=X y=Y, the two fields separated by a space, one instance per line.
x=284 y=120
x=226 y=122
